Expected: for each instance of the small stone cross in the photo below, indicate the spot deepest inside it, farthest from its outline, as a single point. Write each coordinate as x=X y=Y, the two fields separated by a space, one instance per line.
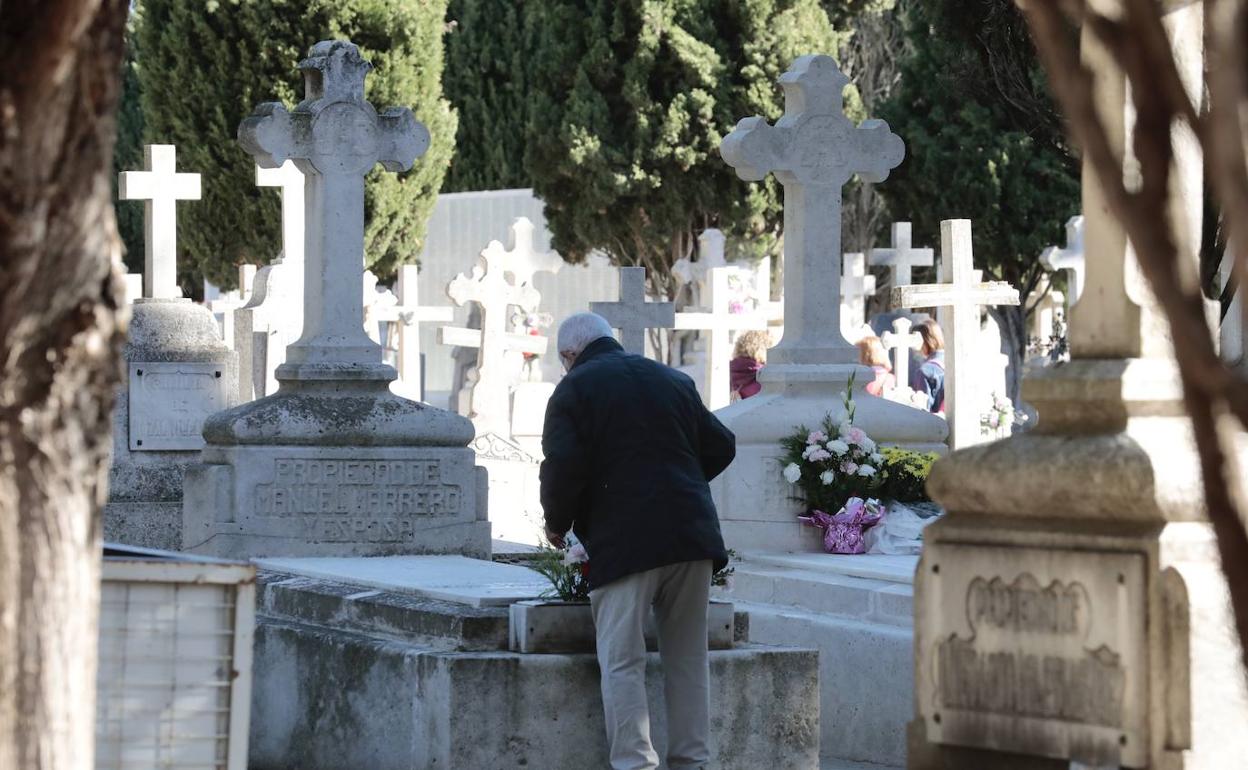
x=901 y=257
x=813 y=150
x=489 y=286
x=856 y=286
x=160 y=187
x=1071 y=258
x=632 y=315
x=408 y=315
x=289 y=181
x=719 y=325
x=902 y=340
x=710 y=256
x=334 y=137
x=964 y=295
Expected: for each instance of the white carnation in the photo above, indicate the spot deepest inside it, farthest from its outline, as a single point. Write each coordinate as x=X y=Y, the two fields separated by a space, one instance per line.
x=827 y=477
x=866 y=470
x=792 y=473
x=837 y=447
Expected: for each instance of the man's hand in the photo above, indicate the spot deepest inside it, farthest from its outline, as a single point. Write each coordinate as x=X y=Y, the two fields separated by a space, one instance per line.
x=556 y=539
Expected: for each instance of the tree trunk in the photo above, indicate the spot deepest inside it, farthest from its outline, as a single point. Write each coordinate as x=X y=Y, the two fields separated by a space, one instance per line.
x=60 y=341
x=1013 y=324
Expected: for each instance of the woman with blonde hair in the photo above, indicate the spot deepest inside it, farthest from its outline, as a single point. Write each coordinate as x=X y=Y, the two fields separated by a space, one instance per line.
x=749 y=356
x=871 y=352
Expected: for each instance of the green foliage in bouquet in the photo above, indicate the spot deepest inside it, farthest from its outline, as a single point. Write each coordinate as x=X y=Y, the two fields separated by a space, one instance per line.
x=905 y=473
x=569 y=577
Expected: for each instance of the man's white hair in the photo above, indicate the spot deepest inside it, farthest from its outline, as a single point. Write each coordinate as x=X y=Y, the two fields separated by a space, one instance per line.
x=577 y=331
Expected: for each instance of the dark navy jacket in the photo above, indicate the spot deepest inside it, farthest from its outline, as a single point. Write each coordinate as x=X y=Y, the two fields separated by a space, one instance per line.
x=629 y=450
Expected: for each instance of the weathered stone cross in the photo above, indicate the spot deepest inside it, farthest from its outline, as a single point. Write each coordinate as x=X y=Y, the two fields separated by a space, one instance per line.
x=901 y=257
x=856 y=286
x=160 y=187
x=335 y=137
x=813 y=150
x=964 y=294
x=523 y=260
x=718 y=325
x=489 y=287
x=409 y=314
x=632 y=315
x=902 y=340
x=1071 y=258
x=710 y=256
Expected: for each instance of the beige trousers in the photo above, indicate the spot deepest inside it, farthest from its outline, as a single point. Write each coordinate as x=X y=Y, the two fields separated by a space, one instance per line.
x=678 y=594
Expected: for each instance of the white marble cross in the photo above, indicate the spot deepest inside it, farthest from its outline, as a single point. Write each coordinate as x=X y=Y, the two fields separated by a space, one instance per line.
x=1070 y=259
x=710 y=256
x=856 y=286
x=964 y=294
x=488 y=285
x=899 y=343
x=902 y=256
x=524 y=261
x=408 y=315
x=334 y=137
x=632 y=315
x=160 y=188
x=289 y=181
x=718 y=326
x=813 y=150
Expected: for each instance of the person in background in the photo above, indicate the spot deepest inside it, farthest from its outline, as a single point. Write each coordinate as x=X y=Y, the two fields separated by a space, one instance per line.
x=871 y=352
x=749 y=356
x=629 y=451
x=930 y=377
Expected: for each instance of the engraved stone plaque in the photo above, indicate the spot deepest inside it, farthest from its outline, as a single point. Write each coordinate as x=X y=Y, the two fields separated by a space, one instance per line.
x=1035 y=651
x=169 y=401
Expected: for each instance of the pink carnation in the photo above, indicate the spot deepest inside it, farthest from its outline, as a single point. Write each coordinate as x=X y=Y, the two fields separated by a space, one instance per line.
x=849 y=467
x=856 y=435
x=816 y=437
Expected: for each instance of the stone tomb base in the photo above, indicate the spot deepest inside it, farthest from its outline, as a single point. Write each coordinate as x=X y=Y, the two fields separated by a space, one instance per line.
x=248 y=501
x=367 y=675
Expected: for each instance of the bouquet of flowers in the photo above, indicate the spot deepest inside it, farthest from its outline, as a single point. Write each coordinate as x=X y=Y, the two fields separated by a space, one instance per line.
x=839 y=470
x=1001 y=418
x=567 y=569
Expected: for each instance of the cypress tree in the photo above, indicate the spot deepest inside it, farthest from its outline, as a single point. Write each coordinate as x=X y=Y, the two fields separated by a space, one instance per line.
x=128 y=156
x=629 y=101
x=204 y=65
x=984 y=142
x=486 y=79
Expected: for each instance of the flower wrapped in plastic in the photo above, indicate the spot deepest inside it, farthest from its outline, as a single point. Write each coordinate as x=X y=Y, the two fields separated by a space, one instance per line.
x=843 y=531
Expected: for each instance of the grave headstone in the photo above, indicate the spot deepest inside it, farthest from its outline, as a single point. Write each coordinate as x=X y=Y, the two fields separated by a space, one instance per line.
x=272 y=317
x=899 y=343
x=177 y=372
x=409 y=314
x=334 y=463
x=1068 y=610
x=224 y=305
x=695 y=273
x=964 y=294
x=492 y=286
x=814 y=150
x=902 y=257
x=717 y=325
x=1070 y=259
x=857 y=285
x=633 y=315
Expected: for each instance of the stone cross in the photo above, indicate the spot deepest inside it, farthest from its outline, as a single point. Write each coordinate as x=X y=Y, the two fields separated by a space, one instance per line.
x=813 y=150
x=160 y=187
x=901 y=257
x=488 y=285
x=632 y=315
x=524 y=261
x=710 y=256
x=1070 y=259
x=289 y=181
x=902 y=341
x=409 y=314
x=718 y=326
x=963 y=293
x=856 y=286
x=334 y=137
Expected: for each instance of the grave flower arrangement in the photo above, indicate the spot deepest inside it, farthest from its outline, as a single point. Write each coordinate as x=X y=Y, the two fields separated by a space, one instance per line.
x=840 y=472
x=1001 y=418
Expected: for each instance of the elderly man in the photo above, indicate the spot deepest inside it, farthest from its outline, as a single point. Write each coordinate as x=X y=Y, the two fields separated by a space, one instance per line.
x=629 y=451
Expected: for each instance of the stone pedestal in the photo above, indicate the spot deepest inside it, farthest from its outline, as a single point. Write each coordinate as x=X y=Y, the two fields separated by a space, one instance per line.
x=757 y=507
x=177 y=372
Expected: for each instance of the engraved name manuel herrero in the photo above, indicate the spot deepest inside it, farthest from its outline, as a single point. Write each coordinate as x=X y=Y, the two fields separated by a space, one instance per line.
x=357 y=500
x=1028 y=656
